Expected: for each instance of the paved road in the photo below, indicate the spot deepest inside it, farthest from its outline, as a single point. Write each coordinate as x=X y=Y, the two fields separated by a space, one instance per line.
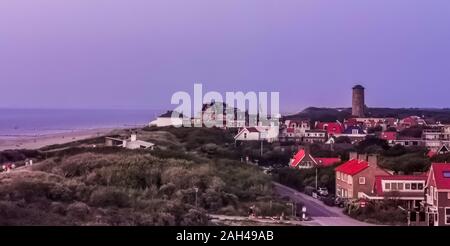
x=242 y=219
x=319 y=212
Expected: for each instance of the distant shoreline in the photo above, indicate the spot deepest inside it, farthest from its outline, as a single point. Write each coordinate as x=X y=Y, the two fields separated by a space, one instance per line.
x=38 y=141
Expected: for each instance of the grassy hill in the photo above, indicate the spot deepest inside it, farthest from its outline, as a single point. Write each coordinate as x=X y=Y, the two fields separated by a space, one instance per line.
x=80 y=185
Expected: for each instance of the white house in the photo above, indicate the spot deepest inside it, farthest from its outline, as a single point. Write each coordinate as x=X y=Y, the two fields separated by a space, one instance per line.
x=294 y=130
x=259 y=133
x=131 y=143
x=167 y=120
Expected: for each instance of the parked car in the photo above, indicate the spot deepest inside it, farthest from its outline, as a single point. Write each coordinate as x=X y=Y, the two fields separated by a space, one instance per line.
x=329 y=201
x=322 y=191
x=339 y=202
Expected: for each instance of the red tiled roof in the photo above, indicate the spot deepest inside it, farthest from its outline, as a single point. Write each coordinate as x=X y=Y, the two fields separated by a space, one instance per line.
x=431 y=153
x=390 y=136
x=411 y=120
x=379 y=188
x=332 y=127
x=352 y=167
x=298 y=157
x=438 y=170
x=326 y=162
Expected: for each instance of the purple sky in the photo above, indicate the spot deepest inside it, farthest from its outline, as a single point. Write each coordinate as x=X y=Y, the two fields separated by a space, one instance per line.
x=136 y=53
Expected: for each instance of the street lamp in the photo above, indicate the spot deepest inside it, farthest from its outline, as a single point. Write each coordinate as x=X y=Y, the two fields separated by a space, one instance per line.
x=292 y=204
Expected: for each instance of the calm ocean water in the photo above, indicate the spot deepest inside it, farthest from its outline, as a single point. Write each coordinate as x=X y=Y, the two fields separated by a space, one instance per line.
x=30 y=122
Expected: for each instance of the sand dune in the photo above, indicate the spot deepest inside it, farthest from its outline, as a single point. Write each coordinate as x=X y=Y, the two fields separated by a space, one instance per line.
x=36 y=142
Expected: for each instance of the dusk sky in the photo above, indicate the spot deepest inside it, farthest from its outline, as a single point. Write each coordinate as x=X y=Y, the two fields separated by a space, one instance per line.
x=137 y=53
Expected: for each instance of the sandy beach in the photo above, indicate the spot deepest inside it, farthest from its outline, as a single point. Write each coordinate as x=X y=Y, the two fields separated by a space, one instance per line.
x=36 y=142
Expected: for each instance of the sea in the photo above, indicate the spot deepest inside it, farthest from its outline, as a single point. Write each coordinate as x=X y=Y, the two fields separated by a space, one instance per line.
x=36 y=122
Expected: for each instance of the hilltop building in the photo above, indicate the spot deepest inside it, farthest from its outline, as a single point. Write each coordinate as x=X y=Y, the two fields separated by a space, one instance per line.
x=358 y=103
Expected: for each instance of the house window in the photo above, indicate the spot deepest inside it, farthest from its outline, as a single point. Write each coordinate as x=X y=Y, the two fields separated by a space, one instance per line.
x=387 y=186
x=362 y=180
x=414 y=186
x=420 y=186
x=400 y=186
x=394 y=186
x=407 y=186
x=245 y=135
x=447 y=216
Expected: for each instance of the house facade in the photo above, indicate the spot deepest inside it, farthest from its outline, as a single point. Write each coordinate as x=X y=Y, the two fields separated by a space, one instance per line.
x=294 y=130
x=409 y=142
x=357 y=176
x=354 y=133
x=409 y=189
x=259 y=133
x=315 y=136
x=436 y=138
x=437 y=195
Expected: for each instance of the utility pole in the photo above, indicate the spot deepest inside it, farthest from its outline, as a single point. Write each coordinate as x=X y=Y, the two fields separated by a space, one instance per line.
x=262 y=147
x=317 y=178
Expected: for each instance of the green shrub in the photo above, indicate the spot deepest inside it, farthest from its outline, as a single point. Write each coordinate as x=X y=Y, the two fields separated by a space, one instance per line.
x=109 y=197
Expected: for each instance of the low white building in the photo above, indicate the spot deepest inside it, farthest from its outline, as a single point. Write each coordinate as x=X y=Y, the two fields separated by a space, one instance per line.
x=131 y=143
x=167 y=120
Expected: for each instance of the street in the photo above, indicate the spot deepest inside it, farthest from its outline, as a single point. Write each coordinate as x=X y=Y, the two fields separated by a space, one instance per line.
x=319 y=212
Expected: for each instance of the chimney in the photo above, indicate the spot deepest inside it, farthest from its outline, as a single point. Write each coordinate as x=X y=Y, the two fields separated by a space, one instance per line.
x=133 y=136
x=372 y=160
x=362 y=157
x=353 y=155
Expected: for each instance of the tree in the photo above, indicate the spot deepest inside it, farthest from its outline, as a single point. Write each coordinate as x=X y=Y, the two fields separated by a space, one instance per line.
x=396 y=150
x=374 y=129
x=370 y=141
x=413 y=132
x=443 y=158
x=343 y=140
x=407 y=164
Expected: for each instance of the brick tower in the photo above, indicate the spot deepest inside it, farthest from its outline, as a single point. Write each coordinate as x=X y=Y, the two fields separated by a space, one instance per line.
x=358 y=104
